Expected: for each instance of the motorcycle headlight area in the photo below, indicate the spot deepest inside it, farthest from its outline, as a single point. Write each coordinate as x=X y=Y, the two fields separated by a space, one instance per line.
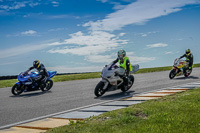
x=113 y=83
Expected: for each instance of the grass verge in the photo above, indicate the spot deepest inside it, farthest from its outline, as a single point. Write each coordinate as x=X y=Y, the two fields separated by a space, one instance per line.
x=60 y=78
x=178 y=113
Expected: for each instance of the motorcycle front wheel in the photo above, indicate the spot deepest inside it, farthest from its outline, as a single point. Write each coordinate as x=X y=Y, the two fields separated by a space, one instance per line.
x=172 y=74
x=98 y=91
x=17 y=89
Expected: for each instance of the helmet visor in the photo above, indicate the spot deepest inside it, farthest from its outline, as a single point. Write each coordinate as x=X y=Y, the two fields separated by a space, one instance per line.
x=121 y=56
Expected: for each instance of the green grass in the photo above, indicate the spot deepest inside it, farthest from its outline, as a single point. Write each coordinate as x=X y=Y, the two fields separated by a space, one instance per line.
x=196 y=65
x=7 y=83
x=61 y=78
x=178 y=113
x=155 y=69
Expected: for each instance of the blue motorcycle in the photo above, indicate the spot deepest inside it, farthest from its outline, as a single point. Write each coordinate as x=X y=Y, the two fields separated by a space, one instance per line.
x=26 y=83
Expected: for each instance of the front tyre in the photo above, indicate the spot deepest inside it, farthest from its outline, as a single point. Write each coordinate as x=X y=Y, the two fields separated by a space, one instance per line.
x=172 y=74
x=99 y=89
x=48 y=86
x=17 y=90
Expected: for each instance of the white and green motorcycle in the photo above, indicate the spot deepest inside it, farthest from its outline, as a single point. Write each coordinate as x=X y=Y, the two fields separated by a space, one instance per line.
x=112 y=79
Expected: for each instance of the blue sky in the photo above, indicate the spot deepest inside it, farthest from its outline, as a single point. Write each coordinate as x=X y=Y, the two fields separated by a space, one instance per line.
x=84 y=35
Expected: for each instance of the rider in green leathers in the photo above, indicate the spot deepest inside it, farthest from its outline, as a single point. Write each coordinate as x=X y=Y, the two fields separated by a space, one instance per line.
x=189 y=58
x=124 y=62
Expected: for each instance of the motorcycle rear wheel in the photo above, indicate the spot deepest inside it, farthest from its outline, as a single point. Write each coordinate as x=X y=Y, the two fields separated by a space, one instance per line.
x=187 y=74
x=48 y=86
x=16 y=90
x=172 y=74
x=98 y=91
x=130 y=84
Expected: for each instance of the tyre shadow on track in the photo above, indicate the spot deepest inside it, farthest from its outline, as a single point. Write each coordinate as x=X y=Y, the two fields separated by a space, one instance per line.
x=190 y=77
x=116 y=95
x=30 y=94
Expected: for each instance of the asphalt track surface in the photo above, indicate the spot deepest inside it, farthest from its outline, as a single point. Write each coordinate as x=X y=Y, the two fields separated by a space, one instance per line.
x=74 y=94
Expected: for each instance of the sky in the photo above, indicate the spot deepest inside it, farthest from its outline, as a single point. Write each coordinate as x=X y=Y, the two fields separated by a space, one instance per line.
x=84 y=35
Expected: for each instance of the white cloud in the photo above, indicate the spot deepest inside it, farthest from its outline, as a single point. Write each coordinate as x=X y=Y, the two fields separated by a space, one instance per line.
x=96 y=38
x=57 y=29
x=95 y=42
x=109 y=58
x=58 y=16
x=66 y=69
x=9 y=63
x=157 y=45
x=29 y=32
x=103 y=1
x=118 y=6
x=138 y=12
x=4 y=53
x=13 y=6
x=144 y=35
x=169 y=52
x=34 y=15
x=34 y=4
x=101 y=58
x=55 y=3
x=94 y=46
x=136 y=59
x=24 y=33
x=90 y=45
x=122 y=34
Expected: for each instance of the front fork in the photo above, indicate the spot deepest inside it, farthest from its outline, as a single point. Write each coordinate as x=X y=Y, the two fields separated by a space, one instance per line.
x=106 y=83
x=21 y=86
x=176 y=69
x=18 y=83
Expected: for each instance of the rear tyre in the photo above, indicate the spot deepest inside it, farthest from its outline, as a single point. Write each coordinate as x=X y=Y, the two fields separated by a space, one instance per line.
x=48 y=86
x=99 y=89
x=172 y=74
x=130 y=83
x=186 y=74
x=17 y=90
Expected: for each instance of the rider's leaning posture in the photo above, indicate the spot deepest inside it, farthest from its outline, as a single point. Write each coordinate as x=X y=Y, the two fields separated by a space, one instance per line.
x=43 y=74
x=189 y=58
x=124 y=62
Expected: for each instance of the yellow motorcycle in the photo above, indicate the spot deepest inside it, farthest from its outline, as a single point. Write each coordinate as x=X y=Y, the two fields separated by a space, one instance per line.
x=180 y=68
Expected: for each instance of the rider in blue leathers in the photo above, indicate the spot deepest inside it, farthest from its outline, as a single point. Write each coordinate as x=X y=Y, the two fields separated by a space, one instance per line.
x=43 y=74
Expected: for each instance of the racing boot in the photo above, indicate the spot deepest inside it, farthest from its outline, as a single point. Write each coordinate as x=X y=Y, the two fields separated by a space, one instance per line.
x=125 y=78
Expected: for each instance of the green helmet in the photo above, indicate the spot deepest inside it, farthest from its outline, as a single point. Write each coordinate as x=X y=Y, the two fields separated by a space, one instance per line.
x=187 y=51
x=121 y=54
